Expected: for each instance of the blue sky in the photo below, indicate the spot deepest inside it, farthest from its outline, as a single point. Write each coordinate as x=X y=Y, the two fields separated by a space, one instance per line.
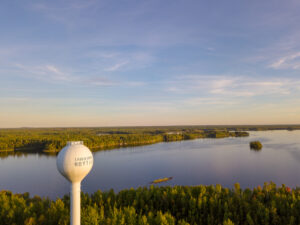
x=118 y=63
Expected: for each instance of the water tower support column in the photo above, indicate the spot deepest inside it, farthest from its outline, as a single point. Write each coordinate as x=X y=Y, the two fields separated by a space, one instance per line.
x=75 y=204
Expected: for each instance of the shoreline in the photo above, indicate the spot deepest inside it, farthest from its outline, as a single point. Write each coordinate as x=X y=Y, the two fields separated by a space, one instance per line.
x=52 y=141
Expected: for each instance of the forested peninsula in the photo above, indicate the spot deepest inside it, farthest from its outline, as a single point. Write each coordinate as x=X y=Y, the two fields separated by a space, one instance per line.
x=52 y=140
x=182 y=205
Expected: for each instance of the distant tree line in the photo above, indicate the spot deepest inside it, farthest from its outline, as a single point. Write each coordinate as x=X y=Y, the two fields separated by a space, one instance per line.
x=97 y=138
x=54 y=139
x=182 y=205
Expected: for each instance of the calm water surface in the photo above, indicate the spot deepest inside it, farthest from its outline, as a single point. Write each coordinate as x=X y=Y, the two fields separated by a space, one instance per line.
x=201 y=161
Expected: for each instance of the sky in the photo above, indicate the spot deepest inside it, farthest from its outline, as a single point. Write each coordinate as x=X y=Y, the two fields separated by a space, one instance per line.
x=136 y=63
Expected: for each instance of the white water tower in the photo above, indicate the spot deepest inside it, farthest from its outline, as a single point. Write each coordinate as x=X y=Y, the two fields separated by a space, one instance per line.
x=74 y=162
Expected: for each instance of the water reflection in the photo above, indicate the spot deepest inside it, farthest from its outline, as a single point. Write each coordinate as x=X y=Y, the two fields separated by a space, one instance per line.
x=19 y=154
x=202 y=161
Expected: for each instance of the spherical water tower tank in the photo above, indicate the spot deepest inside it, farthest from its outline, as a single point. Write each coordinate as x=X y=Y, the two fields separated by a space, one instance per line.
x=74 y=162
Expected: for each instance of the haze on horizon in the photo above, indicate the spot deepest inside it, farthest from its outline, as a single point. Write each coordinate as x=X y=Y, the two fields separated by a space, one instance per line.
x=121 y=63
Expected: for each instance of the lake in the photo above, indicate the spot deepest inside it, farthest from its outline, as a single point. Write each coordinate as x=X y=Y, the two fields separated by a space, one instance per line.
x=193 y=162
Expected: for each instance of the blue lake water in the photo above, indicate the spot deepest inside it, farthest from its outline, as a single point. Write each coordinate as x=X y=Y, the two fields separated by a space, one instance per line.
x=201 y=161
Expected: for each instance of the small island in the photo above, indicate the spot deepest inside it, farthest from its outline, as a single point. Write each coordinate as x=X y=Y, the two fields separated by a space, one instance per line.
x=161 y=180
x=256 y=145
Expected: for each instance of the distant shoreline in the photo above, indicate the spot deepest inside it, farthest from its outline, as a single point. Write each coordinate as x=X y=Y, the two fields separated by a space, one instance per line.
x=279 y=126
x=52 y=140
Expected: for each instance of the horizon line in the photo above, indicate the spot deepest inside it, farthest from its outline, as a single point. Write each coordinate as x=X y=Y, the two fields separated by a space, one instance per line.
x=132 y=126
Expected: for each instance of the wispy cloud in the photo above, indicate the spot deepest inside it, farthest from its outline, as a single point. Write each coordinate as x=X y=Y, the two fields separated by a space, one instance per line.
x=68 y=5
x=234 y=86
x=100 y=81
x=14 y=99
x=45 y=72
x=136 y=83
x=117 y=66
x=209 y=101
x=122 y=24
x=122 y=60
x=291 y=61
x=53 y=74
x=65 y=12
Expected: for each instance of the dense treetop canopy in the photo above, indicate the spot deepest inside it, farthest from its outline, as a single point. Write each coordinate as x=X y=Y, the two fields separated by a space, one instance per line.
x=206 y=205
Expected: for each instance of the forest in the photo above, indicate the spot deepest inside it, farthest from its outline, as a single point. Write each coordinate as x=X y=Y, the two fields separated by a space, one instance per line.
x=52 y=140
x=182 y=205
